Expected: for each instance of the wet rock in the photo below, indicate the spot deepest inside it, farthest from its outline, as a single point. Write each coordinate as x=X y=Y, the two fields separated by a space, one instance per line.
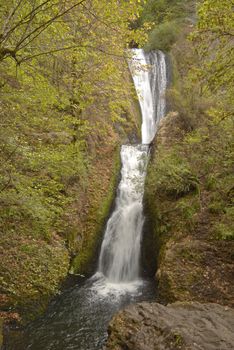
x=181 y=325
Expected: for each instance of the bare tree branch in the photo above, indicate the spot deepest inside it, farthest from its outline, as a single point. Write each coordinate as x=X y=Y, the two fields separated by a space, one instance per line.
x=71 y=48
x=47 y=23
x=6 y=52
x=11 y=15
x=99 y=19
x=19 y=23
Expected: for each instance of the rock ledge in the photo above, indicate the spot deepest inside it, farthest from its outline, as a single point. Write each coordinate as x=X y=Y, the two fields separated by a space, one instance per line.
x=181 y=325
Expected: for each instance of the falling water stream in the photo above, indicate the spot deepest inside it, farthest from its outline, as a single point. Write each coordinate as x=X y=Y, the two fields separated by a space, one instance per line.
x=78 y=318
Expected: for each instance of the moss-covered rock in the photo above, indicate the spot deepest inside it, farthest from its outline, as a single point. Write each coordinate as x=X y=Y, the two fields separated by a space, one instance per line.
x=99 y=203
x=31 y=272
x=189 y=236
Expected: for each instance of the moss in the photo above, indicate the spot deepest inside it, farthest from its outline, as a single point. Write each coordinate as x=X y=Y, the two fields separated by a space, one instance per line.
x=85 y=260
x=187 y=208
x=216 y=207
x=31 y=272
x=189 y=254
x=178 y=340
x=224 y=231
x=171 y=202
x=165 y=288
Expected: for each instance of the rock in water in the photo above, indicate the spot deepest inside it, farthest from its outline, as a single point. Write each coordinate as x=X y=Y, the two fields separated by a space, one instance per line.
x=181 y=325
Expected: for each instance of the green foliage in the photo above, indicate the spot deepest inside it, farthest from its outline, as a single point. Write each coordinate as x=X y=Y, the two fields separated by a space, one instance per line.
x=31 y=271
x=56 y=60
x=213 y=43
x=163 y=36
x=63 y=88
x=159 y=11
x=188 y=207
x=164 y=18
x=181 y=101
x=189 y=185
x=224 y=231
x=178 y=340
x=173 y=177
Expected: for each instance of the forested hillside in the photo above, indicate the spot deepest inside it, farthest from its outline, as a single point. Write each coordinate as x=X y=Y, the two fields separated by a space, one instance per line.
x=67 y=103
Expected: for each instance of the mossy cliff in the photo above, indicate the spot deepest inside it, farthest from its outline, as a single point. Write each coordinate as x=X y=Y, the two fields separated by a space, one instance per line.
x=54 y=215
x=189 y=212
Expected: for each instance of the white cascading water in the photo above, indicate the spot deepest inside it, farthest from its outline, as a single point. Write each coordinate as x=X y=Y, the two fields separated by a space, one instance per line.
x=149 y=76
x=119 y=257
x=119 y=260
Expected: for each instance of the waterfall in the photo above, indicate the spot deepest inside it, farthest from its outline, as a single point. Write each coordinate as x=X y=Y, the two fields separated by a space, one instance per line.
x=119 y=259
x=150 y=79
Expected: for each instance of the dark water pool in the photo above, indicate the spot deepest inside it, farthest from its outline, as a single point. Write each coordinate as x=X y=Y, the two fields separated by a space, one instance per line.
x=78 y=318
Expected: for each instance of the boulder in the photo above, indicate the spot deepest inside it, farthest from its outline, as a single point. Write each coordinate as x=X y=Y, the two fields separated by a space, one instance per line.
x=181 y=325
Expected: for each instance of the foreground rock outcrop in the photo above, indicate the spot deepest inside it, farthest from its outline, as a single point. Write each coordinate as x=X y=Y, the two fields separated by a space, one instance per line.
x=181 y=325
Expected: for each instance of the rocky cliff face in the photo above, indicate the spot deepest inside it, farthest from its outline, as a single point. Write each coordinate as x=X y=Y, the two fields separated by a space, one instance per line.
x=185 y=326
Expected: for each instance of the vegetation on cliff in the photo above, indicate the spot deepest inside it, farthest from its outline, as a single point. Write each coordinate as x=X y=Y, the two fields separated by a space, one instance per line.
x=66 y=104
x=166 y=20
x=189 y=187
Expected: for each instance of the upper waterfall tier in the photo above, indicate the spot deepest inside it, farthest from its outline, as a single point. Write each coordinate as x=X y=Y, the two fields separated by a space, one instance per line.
x=150 y=79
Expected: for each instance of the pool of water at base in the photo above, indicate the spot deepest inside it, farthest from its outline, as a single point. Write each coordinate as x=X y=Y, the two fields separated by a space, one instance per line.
x=79 y=317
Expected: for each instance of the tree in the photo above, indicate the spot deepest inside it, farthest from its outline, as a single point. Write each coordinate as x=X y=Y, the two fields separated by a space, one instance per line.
x=23 y=22
x=213 y=39
x=62 y=71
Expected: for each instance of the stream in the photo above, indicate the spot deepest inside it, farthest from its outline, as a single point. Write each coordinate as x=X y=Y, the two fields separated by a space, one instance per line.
x=78 y=318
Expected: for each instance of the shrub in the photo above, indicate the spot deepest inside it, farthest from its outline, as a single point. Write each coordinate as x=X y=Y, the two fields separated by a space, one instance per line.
x=224 y=230
x=163 y=36
x=173 y=177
